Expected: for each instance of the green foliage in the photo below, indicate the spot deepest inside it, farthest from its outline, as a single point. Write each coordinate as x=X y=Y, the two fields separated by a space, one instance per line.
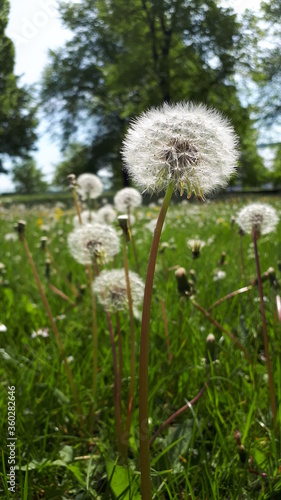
x=28 y=179
x=276 y=174
x=266 y=62
x=77 y=161
x=17 y=114
x=127 y=56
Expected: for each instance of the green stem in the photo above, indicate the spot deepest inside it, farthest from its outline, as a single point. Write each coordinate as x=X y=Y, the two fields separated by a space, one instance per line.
x=54 y=328
x=144 y=352
x=133 y=243
x=132 y=346
x=117 y=396
x=94 y=325
x=95 y=346
x=265 y=336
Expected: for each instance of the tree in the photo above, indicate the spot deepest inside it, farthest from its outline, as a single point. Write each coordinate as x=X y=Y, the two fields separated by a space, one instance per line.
x=276 y=173
x=28 y=179
x=77 y=161
x=128 y=55
x=17 y=115
x=266 y=70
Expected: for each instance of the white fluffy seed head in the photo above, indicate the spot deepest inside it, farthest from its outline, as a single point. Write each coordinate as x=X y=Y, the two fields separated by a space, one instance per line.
x=188 y=145
x=87 y=217
x=258 y=216
x=111 y=289
x=95 y=241
x=89 y=186
x=106 y=214
x=126 y=199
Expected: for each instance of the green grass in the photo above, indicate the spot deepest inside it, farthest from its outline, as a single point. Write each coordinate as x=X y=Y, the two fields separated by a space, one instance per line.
x=197 y=456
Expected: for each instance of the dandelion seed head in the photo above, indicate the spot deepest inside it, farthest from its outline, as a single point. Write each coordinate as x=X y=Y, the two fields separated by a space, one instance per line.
x=126 y=199
x=87 y=217
x=96 y=241
x=111 y=289
x=188 y=145
x=106 y=214
x=258 y=216
x=89 y=186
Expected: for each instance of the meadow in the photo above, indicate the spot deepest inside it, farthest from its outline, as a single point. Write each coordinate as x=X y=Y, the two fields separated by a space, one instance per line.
x=224 y=446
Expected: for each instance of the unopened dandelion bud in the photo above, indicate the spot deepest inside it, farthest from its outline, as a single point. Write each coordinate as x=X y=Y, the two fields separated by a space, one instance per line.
x=47 y=268
x=163 y=247
x=242 y=453
x=20 y=228
x=82 y=289
x=196 y=247
x=222 y=259
x=123 y=221
x=210 y=347
x=181 y=277
x=273 y=278
x=43 y=242
x=72 y=180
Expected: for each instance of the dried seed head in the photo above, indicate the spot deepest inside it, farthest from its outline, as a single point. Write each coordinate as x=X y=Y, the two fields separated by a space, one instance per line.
x=20 y=228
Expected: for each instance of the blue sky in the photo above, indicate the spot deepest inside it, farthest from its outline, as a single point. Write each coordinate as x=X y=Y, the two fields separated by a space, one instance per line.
x=34 y=27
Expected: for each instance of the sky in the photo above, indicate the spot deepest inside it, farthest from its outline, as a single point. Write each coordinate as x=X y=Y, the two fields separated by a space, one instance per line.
x=34 y=27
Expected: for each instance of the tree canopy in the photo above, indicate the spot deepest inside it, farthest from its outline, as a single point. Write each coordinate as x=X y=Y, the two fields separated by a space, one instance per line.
x=28 y=178
x=17 y=114
x=128 y=55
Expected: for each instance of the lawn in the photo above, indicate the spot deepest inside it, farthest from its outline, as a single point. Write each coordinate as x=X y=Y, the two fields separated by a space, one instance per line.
x=224 y=446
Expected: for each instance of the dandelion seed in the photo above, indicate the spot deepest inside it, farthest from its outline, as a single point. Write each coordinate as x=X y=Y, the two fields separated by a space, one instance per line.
x=192 y=147
x=89 y=186
x=126 y=199
x=110 y=287
x=260 y=217
x=96 y=241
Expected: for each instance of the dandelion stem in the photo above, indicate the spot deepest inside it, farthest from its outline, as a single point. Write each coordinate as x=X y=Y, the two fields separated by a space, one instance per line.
x=54 y=328
x=95 y=342
x=132 y=346
x=117 y=395
x=230 y=295
x=67 y=282
x=120 y=355
x=144 y=352
x=94 y=323
x=265 y=335
x=232 y=337
x=179 y=412
x=166 y=330
x=133 y=242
